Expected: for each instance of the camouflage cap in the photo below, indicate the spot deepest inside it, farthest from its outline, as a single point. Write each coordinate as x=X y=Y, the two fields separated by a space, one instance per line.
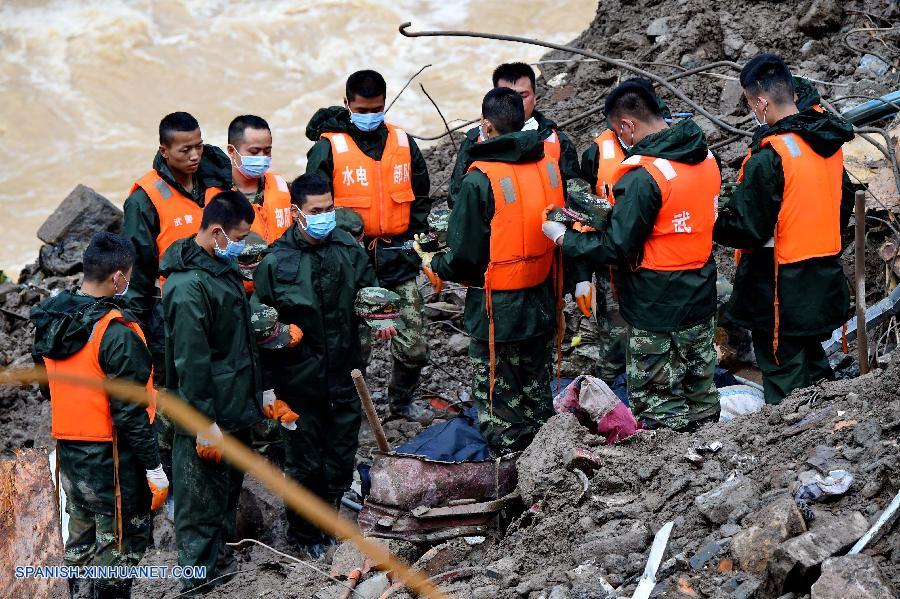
x=379 y=307
x=270 y=333
x=582 y=201
x=251 y=255
x=349 y=220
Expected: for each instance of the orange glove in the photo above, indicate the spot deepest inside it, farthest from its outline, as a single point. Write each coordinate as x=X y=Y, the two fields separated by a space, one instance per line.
x=209 y=444
x=582 y=228
x=276 y=409
x=584 y=296
x=159 y=487
x=546 y=212
x=296 y=336
x=435 y=280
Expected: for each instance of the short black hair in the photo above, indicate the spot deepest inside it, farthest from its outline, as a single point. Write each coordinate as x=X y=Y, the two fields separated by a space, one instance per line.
x=242 y=123
x=366 y=83
x=512 y=72
x=174 y=123
x=106 y=254
x=505 y=110
x=634 y=97
x=310 y=184
x=768 y=73
x=228 y=209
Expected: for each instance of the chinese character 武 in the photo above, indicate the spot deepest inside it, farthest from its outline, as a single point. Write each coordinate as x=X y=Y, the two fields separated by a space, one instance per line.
x=680 y=222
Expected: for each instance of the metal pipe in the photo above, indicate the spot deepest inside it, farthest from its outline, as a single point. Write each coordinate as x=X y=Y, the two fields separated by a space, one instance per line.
x=862 y=339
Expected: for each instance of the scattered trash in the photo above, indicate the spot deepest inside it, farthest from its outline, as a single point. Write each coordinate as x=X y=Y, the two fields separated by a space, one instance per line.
x=835 y=484
x=648 y=580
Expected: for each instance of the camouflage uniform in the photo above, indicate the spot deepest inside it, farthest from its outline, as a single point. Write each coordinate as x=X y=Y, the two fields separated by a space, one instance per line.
x=521 y=402
x=92 y=542
x=670 y=376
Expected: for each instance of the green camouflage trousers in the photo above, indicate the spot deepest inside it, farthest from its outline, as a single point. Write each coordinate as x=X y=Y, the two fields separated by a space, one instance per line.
x=409 y=346
x=206 y=499
x=92 y=542
x=522 y=400
x=670 y=376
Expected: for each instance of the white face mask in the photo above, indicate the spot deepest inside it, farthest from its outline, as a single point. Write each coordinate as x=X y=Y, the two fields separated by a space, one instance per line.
x=626 y=146
x=763 y=122
x=116 y=285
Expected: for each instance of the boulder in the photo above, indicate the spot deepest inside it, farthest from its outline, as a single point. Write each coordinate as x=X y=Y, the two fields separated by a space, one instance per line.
x=543 y=463
x=796 y=563
x=753 y=547
x=458 y=344
x=854 y=576
x=731 y=499
x=67 y=231
x=822 y=16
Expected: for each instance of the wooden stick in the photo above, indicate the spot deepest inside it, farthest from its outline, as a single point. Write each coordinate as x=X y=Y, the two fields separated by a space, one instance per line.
x=862 y=339
x=369 y=407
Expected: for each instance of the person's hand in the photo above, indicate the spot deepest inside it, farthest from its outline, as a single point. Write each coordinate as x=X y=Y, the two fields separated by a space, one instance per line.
x=276 y=409
x=584 y=296
x=425 y=256
x=583 y=228
x=545 y=215
x=554 y=231
x=209 y=444
x=296 y=336
x=159 y=487
x=435 y=280
x=386 y=334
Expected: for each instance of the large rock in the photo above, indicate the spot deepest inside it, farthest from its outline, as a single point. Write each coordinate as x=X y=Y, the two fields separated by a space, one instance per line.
x=822 y=16
x=753 y=547
x=732 y=498
x=70 y=228
x=854 y=576
x=796 y=563
x=543 y=463
x=29 y=525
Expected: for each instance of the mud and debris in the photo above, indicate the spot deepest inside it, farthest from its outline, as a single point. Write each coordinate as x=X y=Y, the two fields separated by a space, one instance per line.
x=583 y=527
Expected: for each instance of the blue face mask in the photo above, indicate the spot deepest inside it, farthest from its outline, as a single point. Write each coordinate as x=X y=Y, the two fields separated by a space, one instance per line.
x=253 y=167
x=367 y=122
x=318 y=226
x=232 y=249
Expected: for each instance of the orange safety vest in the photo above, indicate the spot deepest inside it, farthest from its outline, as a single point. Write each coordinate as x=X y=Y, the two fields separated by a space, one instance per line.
x=273 y=216
x=179 y=217
x=520 y=255
x=610 y=157
x=380 y=191
x=78 y=412
x=682 y=236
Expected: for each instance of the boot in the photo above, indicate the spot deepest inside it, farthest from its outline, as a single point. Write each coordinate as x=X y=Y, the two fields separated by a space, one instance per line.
x=81 y=588
x=404 y=380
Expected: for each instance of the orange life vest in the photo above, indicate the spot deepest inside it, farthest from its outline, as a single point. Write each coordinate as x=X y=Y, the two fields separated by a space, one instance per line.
x=80 y=413
x=273 y=216
x=380 y=191
x=682 y=234
x=608 y=160
x=179 y=216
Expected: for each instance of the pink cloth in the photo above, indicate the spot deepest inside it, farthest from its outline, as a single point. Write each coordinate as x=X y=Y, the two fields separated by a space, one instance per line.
x=589 y=397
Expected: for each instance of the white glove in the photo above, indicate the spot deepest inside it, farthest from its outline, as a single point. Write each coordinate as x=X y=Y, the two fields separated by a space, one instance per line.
x=584 y=297
x=158 y=477
x=268 y=398
x=159 y=487
x=209 y=444
x=269 y=410
x=554 y=231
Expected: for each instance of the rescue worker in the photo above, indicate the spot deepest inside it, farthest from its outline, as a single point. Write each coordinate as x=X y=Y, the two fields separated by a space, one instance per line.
x=520 y=78
x=494 y=244
x=660 y=236
x=212 y=364
x=377 y=170
x=250 y=150
x=104 y=444
x=311 y=276
x=786 y=216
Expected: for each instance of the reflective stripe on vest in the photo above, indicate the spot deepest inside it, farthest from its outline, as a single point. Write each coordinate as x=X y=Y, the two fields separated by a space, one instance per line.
x=273 y=217
x=682 y=234
x=609 y=158
x=80 y=413
x=179 y=217
x=380 y=191
x=810 y=216
x=520 y=255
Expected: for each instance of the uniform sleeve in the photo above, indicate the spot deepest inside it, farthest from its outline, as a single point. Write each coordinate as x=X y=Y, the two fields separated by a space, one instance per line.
x=638 y=201
x=362 y=267
x=459 y=168
x=421 y=186
x=590 y=163
x=124 y=356
x=264 y=282
x=468 y=233
x=187 y=305
x=568 y=159
x=747 y=218
x=141 y=226
x=319 y=160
